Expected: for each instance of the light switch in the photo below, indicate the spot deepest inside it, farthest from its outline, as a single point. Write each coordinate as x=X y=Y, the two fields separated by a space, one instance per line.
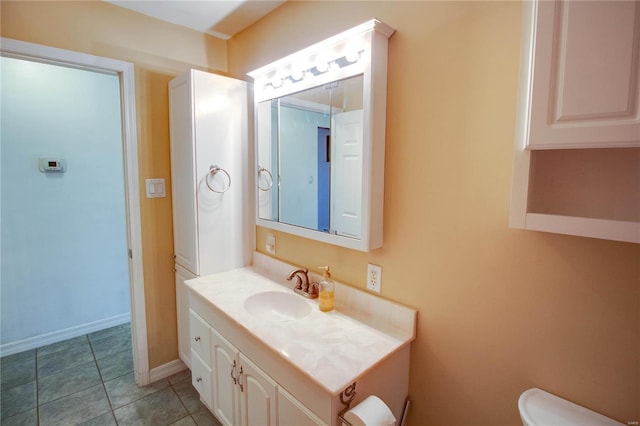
x=155 y=188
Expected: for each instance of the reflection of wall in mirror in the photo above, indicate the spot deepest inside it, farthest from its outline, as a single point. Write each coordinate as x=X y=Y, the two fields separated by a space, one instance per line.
x=348 y=95
x=267 y=156
x=298 y=165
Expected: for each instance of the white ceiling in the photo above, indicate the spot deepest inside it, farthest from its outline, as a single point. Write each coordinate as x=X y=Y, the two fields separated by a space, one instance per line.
x=219 y=18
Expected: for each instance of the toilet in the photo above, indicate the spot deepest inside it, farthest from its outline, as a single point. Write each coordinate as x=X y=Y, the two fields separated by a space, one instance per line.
x=540 y=408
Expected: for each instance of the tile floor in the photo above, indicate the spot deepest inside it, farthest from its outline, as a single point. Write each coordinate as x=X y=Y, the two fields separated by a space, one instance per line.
x=88 y=380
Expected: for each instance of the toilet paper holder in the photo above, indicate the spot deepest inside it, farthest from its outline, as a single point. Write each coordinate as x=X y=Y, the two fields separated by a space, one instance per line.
x=346 y=397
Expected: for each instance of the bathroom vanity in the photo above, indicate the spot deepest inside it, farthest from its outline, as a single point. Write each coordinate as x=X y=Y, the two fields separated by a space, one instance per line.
x=261 y=354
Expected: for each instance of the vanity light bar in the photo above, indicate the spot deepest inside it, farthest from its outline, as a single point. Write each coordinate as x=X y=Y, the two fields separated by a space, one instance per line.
x=317 y=69
x=341 y=56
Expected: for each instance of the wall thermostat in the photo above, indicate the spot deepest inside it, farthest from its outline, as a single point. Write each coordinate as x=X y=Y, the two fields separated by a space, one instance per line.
x=51 y=164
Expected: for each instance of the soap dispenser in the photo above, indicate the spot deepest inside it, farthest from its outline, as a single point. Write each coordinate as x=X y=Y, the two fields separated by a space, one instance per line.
x=326 y=291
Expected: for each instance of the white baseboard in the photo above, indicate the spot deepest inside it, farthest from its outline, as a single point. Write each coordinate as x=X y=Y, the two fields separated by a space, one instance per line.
x=166 y=370
x=60 y=335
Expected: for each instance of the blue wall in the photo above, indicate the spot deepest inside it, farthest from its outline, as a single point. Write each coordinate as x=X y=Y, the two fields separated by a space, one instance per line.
x=64 y=245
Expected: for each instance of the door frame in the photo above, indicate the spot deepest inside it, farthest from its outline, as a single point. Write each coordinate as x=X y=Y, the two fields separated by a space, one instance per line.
x=125 y=71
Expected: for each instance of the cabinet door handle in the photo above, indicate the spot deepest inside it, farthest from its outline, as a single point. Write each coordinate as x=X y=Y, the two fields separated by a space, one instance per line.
x=239 y=380
x=233 y=369
x=199 y=379
x=197 y=339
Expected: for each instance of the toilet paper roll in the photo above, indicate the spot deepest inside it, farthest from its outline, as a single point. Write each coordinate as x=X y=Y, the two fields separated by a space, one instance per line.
x=372 y=411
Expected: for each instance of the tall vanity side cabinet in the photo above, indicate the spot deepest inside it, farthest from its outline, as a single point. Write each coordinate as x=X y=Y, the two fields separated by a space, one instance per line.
x=210 y=173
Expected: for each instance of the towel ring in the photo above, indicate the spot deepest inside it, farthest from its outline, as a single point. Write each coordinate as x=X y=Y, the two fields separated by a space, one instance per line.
x=213 y=170
x=270 y=179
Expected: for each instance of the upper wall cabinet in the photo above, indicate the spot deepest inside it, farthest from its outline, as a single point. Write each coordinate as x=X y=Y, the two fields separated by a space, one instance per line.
x=585 y=90
x=577 y=153
x=320 y=139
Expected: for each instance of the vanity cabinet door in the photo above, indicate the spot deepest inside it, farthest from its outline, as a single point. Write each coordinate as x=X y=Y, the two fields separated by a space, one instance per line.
x=585 y=75
x=199 y=334
x=182 y=313
x=291 y=412
x=201 y=378
x=226 y=368
x=257 y=395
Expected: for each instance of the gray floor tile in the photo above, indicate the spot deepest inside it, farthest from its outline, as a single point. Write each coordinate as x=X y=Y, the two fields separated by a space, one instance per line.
x=116 y=365
x=110 y=332
x=123 y=390
x=27 y=418
x=185 y=421
x=184 y=375
x=17 y=399
x=106 y=419
x=74 y=409
x=20 y=356
x=205 y=418
x=189 y=396
x=65 y=345
x=68 y=382
x=111 y=345
x=62 y=360
x=17 y=372
x=160 y=408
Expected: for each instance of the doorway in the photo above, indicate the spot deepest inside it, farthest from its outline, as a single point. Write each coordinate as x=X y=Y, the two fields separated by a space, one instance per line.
x=324 y=178
x=48 y=169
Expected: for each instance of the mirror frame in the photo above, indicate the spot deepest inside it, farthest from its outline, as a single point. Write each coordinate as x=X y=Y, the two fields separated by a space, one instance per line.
x=369 y=43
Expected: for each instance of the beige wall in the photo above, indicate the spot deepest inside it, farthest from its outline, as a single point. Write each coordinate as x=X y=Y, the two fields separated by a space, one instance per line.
x=159 y=51
x=500 y=310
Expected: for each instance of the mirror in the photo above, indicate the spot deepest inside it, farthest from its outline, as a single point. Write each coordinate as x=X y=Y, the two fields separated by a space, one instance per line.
x=320 y=139
x=310 y=158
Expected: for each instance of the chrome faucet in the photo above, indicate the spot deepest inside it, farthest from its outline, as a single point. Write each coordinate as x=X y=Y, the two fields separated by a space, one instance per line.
x=303 y=286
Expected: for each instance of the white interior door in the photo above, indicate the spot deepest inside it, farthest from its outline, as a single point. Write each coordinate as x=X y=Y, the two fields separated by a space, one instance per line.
x=347 y=136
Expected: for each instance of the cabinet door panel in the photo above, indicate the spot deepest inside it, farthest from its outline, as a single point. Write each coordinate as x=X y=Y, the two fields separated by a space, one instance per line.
x=257 y=396
x=201 y=378
x=182 y=313
x=199 y=337
x=225 y=371
x=586 y=75
x=291 y=412
x=185 y=226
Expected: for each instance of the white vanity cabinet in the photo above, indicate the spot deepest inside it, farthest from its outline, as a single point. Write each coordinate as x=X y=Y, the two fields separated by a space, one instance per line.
x=236 y=390
x=201 y=372
x=577 y=145
x=245 y=380
x=243 y=394
x=273 y=366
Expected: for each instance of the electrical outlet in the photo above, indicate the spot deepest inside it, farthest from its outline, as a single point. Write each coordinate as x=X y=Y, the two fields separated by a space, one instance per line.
x=374 y=277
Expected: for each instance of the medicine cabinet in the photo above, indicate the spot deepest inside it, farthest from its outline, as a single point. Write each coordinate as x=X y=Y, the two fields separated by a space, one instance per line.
x=320 y=139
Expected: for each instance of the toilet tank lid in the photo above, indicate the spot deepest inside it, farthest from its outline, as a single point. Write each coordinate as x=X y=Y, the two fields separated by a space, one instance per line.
x=538 y=407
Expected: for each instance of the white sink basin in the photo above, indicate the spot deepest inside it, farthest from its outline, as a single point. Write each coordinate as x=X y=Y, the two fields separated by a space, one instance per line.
x=277 y=306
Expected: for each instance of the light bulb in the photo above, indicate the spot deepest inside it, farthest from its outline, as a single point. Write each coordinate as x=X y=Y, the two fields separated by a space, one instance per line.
x=322 y=66
x=352 y=56
x=297 y=75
